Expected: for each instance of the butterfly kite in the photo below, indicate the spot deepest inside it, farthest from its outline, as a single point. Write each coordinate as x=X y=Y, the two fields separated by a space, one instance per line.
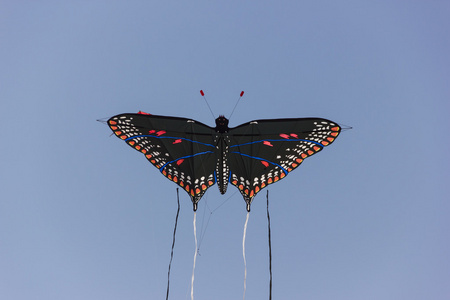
x=250 y=156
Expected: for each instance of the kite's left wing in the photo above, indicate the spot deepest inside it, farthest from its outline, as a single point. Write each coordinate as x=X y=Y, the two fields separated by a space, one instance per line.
x=182 y=149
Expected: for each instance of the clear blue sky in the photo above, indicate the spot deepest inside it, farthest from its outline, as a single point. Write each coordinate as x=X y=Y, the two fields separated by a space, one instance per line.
x=83 y=216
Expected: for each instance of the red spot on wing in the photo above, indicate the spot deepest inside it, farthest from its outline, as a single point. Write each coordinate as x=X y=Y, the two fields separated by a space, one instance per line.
x=285 y=136
x=177 y=141
x=152 y=131
x=161 y=132
x=143 y=113
x=267 y=143
x=180 y=161
x=111 y=122
x=265 y=163
x=294 y=135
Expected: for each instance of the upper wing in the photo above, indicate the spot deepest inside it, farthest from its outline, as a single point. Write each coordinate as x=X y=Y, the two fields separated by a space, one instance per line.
x=264 y=151
x=182 y=149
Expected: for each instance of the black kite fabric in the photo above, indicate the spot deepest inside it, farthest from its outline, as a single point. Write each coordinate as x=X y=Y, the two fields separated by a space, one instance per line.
x=250 y=156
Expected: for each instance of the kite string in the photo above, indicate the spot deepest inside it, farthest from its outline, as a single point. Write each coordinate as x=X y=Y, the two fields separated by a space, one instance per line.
x=270 y=249
x=243 y=254
x=195 y=257
x=211 y=211
x=173 y=244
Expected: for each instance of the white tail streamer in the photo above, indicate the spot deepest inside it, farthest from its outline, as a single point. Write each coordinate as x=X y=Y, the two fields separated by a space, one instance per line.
x=243 y=254
x=195 y=258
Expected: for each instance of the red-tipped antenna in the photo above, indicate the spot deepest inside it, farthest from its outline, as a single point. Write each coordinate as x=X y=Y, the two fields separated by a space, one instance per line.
x=240 y=96
x=203 y=95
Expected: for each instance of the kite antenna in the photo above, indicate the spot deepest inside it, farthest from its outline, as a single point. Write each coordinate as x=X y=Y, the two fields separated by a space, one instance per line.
x=203 y=95
x=240 y=96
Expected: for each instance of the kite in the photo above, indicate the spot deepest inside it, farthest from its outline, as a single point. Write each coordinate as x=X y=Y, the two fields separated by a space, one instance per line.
x=250 y=156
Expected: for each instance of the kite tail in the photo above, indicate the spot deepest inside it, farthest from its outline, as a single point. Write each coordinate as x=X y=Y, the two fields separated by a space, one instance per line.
x=270 y=249
x=195 y=257
x=243 y=254
x=173 y=244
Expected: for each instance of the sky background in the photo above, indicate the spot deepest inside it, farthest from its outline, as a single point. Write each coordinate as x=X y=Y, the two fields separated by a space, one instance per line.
x=84 y=216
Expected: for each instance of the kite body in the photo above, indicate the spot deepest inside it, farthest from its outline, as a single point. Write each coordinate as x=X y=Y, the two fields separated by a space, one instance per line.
x=250 y=156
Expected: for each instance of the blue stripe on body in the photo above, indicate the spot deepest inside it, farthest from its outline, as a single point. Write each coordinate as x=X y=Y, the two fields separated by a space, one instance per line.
x=168 y=137
x=187 y=156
